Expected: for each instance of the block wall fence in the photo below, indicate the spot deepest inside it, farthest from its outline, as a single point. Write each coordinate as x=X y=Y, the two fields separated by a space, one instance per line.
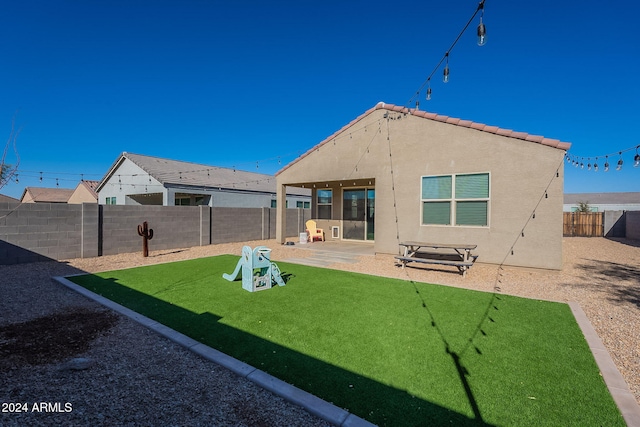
x=42 y=231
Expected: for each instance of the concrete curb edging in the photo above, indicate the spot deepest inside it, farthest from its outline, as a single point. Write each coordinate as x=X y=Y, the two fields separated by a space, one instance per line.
x=616 y=384
x=290 y=393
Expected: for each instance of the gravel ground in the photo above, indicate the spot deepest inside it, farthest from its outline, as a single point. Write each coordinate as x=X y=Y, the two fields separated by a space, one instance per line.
x=135 y=377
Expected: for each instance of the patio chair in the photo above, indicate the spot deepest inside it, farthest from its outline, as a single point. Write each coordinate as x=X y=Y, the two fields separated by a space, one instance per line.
x=314 y=232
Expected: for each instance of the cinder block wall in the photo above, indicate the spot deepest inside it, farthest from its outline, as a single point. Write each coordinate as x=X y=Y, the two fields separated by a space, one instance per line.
x=37 y=232
x=614 y=223
x=173 y=227
x=633 y=225
x=235 y=224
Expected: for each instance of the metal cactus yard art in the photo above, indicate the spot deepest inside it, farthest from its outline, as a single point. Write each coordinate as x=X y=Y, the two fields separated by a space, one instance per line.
x=147 y=234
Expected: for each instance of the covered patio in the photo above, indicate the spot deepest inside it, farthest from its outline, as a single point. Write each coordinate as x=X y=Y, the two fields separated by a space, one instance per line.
x=343 y=209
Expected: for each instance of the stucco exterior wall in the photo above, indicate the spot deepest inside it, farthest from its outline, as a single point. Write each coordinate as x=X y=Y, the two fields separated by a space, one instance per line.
x=394 y=150
x=81 y=195
x=128 y=179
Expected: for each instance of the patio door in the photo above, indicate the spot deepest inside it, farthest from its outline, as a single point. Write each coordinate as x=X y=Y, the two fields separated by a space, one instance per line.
x=358 y=208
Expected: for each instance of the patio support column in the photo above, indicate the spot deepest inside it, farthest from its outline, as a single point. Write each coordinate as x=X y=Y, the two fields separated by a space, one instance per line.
x=281 y=214
x=168 y=197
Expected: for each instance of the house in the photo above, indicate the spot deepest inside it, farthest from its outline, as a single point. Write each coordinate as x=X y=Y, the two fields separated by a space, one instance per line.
x=600 y=202
x=45 y=195
x=85 y=192
x=7 y=199
x=136 y=179
x=396 y=174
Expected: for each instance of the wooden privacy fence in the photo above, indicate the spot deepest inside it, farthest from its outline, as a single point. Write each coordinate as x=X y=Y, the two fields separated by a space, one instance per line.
x=583 y=224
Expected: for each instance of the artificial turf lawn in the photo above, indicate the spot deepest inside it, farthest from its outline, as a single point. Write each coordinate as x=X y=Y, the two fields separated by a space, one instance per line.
x=391 y=351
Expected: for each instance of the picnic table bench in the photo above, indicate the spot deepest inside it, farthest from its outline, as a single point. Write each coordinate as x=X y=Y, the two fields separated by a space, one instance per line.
x=420 y=252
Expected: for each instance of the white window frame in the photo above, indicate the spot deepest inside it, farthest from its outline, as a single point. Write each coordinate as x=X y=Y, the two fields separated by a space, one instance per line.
x=453 y=201
x=318 y=204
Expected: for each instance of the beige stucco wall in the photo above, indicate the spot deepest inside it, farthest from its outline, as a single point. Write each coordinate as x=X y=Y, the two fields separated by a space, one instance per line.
x=395 y=151
x=82 y=195
x=26 y=198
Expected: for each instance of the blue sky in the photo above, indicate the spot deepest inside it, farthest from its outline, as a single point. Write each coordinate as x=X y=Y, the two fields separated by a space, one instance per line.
x=253 y=84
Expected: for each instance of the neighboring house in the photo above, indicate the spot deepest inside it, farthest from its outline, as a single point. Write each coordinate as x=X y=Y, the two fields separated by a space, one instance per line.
x=600 y=202
x=136 y=179
x=395 y=174
x=85 y=192
x=45 y=195
x=8 y=199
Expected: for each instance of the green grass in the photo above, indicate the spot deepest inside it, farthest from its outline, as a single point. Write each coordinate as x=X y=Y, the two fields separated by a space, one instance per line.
x=391 y=351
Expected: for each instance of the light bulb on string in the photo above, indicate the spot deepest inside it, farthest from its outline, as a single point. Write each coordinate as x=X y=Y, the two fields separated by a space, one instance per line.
x=636 y=158
x=619 y=166
x=482 y=30
x=606 y=164
x=589 y=164
x=595 y=165
x=428 y=89
x=445 y=73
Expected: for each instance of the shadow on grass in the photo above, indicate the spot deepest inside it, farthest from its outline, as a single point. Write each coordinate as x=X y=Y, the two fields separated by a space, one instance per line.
x=376 y=402
x=619 y=282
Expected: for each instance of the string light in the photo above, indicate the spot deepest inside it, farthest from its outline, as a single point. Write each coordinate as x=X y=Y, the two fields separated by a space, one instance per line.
x=619 y=167
x=579 y=162
x=482 y=40
x=482 y=31
x=445 y=73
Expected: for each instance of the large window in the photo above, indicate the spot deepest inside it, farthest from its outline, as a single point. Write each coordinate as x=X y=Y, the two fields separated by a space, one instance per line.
x=461 y=199
x=324 y=202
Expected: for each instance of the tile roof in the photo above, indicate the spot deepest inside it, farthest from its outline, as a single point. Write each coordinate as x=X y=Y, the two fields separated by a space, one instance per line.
x=91 y=186
x=444 y=119
x=48 y=195
x=9 y=199
x=175 y=172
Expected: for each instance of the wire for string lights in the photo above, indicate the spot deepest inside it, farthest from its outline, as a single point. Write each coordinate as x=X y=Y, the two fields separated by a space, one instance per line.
x=579 y=161
x=482 y=40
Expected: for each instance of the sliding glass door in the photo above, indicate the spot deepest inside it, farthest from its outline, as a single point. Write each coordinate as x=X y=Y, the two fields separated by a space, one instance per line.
x=358 y=208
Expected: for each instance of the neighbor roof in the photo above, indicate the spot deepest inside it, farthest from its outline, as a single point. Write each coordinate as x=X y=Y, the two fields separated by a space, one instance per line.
x=444 y=119
x=602 y=198
x=91 y=186
x=48 y=195
x=4 y=198
x=175 y=172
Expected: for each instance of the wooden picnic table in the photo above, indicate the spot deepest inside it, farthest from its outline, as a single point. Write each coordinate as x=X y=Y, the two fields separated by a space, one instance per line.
x=421 y=252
